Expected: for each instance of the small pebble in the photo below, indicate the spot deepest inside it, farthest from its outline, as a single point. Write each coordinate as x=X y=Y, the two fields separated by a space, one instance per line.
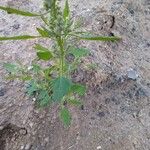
x=99 y=147
x=34 y=99
x=46 y=139
x=31 y=124
x=101 y=114
x=107 y=100
x=141 y=93
x=148 y=44
x=23 y=131
x=22 y=147
x=1 y=127
x=82 y=107
x=132 y=74
x=28 y=147
x=16 y=26
x=30 y=67
x=92 y=118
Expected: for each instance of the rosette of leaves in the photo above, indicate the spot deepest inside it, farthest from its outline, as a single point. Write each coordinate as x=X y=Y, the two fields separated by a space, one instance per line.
x=53 y=84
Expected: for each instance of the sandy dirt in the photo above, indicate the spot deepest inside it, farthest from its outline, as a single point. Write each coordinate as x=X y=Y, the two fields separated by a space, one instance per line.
x=116 y=113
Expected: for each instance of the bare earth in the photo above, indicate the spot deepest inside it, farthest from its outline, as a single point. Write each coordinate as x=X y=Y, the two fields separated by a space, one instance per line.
x=116 y=114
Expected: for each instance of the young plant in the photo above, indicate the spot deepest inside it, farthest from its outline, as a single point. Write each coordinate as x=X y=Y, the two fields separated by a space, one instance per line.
x=53 y=83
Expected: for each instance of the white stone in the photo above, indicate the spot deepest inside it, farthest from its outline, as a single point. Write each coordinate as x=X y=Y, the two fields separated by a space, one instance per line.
x=99 y=147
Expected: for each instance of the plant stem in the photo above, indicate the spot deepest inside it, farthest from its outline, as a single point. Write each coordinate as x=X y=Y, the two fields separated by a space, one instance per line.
x=60 y=43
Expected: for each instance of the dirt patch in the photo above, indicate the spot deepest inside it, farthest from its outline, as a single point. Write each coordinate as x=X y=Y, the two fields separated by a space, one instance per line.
x=9 y=134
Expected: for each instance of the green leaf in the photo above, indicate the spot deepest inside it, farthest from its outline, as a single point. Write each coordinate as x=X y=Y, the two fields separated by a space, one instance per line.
x=74 y=102
x=12 y=68
x=18 y=12
x=66 y=10
x=43 y=98
x=61 y=87
x=11 y=77
x=79 y=52
x=43 y=32
x=23 y=37
x=78 y=23
x=48 y=31
x=43 y=53
x=65 y=117
x=78 y=89
x=97 y=38
x=36 y=68
x=32 y=87
x=48 y=71
x=25 y=78
x=49 y=4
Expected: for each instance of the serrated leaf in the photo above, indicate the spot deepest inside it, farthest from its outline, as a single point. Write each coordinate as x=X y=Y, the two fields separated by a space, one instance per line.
x=79 y=52
x=74 y=102
x=23 y=37
x=18 y=12
x=43 y=32
x=12 y=68
x=78 y=89
x=65 y=117
x=66 y=10
x=43 y=53
x=43 y=98
x=61 y=87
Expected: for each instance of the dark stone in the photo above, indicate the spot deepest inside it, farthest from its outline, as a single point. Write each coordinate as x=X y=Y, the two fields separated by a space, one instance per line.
x=123 y=93
x=92 y=118
x=82 y=107
x=140 y=93
x=148 y=84
x=131 y=12
x=148 y=44
x=133 y=29
x=101 y=114
x=65 y=103
x=16 y=26
x=2 y=92
x=111 y=34
x=107 y=100
x=116 y=101
x=129 y=94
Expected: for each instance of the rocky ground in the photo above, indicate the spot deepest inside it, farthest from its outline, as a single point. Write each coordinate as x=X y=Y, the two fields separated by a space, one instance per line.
x=116 y=113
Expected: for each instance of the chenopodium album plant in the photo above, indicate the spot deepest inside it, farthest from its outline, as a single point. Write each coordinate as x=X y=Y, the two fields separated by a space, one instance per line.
x=53 y=83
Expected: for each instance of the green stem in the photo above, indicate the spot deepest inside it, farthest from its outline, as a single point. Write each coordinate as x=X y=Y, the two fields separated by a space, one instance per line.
x=60 y=43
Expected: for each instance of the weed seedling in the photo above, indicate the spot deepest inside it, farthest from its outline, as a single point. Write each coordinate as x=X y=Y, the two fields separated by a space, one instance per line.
x=53 y=84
